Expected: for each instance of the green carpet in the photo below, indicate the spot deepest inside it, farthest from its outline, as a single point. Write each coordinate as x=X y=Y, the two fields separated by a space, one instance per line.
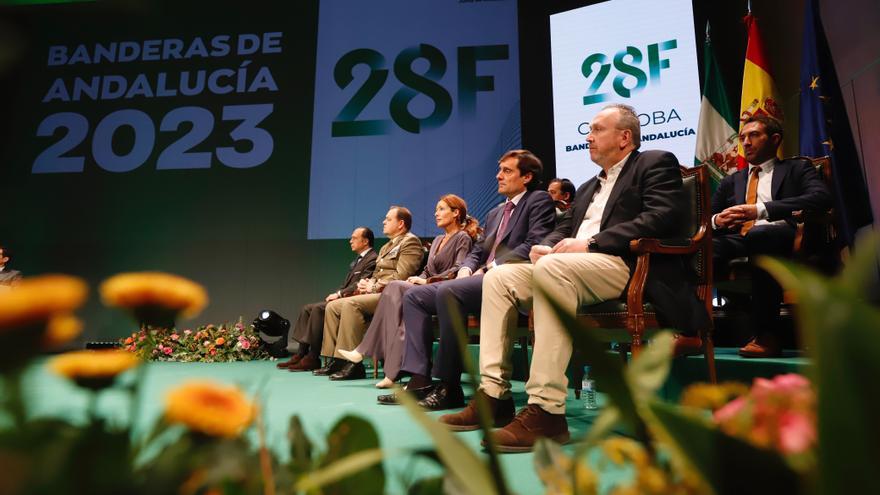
x=320 y=403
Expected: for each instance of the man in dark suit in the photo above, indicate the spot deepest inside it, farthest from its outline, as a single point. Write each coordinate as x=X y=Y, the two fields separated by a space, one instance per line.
x=752 y=214
x=585 y=260
x=309 y=328
x=512 y=228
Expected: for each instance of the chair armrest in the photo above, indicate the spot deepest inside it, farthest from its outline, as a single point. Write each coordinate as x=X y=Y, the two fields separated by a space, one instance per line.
x=441 y=278
x=668 y=246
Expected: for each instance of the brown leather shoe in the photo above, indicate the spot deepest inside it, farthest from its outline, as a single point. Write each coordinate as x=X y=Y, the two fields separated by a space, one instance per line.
x=686 y=345
x=765 y=346
x=531 y=423
x=307 y=363
x=468 y=419
x=287 y=364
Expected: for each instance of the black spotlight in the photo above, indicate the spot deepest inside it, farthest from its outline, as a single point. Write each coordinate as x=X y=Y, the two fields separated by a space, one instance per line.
x=273 y=329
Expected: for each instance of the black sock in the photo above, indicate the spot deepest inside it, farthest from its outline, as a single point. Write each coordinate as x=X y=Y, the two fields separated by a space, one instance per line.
x=418 y=381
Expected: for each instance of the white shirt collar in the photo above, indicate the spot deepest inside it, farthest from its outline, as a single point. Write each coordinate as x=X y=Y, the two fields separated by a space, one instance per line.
x=614 y=171
x=766 y=167
x=515 y=199
x=364 y=252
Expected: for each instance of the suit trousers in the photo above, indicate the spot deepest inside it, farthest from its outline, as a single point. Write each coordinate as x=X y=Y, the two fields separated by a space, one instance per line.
x=448 y=300
x=345 y=323
x=309 y=328
x=572 y=280
x=772 y=240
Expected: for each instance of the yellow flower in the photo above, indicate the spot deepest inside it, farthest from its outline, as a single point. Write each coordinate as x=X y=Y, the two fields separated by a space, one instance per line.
x=154 y=289
x=61 y=330
x=93 y=369
x=621 y=449
x=36 y=299
x=209 y=408
x=712 y=397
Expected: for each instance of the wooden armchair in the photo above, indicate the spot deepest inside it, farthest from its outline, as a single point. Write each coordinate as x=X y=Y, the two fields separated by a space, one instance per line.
x=633 y=320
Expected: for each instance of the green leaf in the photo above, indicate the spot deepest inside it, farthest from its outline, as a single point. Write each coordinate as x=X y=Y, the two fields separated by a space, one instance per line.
x=300 y=446
x=338 y=476
x=350 y=436
x=462 y=462
x=841 y=333
x=729 y=465
x=648 y=372
x=427 y=486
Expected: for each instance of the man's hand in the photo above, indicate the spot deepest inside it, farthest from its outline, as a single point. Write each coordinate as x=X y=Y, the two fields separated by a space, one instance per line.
x=332 y=297
x=416 y=280
x=464 y=272
x=365 y=286
x=570 y=245
x=736 y=216
x=537 y=252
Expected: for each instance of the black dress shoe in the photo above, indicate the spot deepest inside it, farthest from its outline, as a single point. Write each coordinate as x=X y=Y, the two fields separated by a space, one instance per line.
x=444 y=397
x=418 y=393
x=333 y=365
x=351 y=371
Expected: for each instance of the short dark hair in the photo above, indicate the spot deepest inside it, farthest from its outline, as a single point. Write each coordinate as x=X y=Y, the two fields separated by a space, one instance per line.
x=772 y=125
x=527 y=163
x=404 y=214
x=368 y=235
x=566 y=186
x=6 y=252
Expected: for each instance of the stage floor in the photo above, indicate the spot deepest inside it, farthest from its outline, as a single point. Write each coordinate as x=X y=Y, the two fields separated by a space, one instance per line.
x=320 y=403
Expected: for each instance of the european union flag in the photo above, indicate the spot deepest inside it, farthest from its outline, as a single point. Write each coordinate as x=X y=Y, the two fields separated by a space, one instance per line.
x=824 y=128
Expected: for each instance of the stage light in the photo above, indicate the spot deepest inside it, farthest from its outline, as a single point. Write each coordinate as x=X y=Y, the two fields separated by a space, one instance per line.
x=271 y=323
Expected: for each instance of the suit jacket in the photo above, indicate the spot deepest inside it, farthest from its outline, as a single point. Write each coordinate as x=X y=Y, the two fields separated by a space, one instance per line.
x=795 y=186
x=8 y=276
x=531 y=220
x=647 y=201
x=399 y=259
x=357 y=271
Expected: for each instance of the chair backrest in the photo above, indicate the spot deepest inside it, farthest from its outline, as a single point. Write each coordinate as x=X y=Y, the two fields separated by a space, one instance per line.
x=696 y=224
x=817 y=243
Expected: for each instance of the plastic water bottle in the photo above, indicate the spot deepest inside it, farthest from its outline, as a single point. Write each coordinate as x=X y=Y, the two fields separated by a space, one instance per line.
x=588 y=390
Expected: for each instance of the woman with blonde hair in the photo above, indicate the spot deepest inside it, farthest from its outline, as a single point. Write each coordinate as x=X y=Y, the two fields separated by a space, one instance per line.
x=385 y=336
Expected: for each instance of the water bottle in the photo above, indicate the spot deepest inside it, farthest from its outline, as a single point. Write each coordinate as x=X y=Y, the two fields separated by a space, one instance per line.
x=588 y=390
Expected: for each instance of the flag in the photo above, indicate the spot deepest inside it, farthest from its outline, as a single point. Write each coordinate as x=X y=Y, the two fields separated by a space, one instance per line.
x=717 y=129
x=759 y=93
x=824 y=128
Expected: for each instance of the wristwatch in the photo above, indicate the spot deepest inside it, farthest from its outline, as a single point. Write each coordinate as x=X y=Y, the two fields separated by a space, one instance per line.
x=592 y=245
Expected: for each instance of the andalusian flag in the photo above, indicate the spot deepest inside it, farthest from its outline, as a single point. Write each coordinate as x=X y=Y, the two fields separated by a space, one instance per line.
x=716 y=131
x=759 y=94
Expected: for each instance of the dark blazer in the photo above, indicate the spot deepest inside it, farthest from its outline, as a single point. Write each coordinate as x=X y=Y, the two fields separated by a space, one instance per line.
x=647 y=201
x=795 y=186
x=531 y=220
x=357 y=271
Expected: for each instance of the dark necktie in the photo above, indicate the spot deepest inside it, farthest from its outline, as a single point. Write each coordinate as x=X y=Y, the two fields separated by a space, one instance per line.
x=751 y=197
x=502 y=229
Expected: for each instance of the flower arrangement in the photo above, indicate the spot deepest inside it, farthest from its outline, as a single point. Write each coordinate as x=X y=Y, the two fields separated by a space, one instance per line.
x=207 y=344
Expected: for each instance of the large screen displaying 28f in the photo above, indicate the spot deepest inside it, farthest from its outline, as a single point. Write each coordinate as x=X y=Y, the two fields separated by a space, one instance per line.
x=638 y=52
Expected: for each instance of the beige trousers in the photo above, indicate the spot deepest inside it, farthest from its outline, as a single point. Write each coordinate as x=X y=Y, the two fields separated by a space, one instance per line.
x=573 y=280
x=345 y=323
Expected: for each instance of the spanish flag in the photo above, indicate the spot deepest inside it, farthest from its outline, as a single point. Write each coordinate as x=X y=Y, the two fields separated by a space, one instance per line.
x=759 y=93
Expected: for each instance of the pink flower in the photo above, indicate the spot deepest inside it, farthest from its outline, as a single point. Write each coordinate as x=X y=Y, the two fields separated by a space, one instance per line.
x=796 y=432
x=213 y=351
x=167 y=351
x=239 y=327
x=141 y=338
x=245 y=344
x=790 y=381
x=207 y=343
x=174 y=336
x=187 y=331
x=730 y=410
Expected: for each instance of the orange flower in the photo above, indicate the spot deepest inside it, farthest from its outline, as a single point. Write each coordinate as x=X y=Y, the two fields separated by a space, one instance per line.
x=209 y=408
x=93 y=369
x=164 y=290
x=34 y=300
x=220 y=341
x=61 y=330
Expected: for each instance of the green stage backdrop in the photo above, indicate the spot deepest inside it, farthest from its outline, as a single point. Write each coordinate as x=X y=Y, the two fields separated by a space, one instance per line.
x=114 y=160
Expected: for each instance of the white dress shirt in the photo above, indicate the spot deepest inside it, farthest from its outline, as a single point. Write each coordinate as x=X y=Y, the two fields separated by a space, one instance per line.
x=592 y=221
